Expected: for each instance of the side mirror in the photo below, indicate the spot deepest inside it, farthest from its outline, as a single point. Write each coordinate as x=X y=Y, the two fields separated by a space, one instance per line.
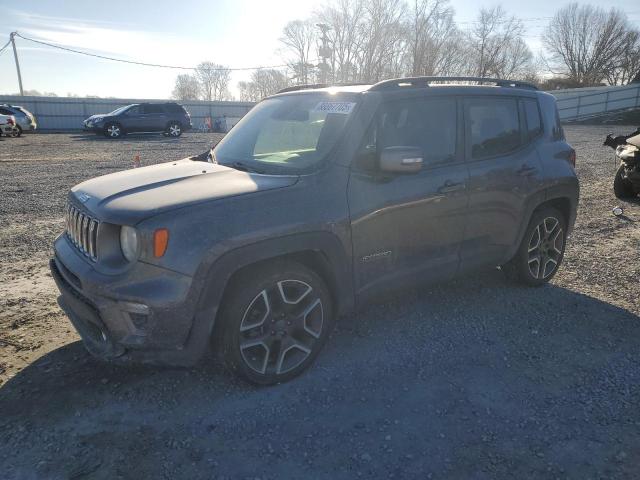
x=401 y=159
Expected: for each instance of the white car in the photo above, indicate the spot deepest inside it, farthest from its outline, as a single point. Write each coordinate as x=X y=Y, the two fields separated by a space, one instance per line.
x=8 y=126
x=25 y=121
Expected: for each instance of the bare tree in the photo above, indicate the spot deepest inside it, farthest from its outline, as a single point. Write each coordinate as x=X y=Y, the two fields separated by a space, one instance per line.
x=382 y=35
x=585 y=42
x=262 y=84
x=496 y=45
x=344 y=18
x=186 y=87
x=625 y=66
x=214 y=81
x=298 y=39
x=431 y=34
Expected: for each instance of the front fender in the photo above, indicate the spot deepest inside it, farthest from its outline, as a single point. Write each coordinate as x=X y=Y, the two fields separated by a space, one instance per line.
x=215 y=272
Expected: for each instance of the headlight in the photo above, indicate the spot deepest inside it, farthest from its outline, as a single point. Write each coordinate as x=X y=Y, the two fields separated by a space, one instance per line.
x=129 y=242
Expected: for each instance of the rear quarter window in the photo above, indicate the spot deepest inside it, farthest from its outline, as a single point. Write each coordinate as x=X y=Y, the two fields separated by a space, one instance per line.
x=493 y=126
x=532 y=115
x=174 y=108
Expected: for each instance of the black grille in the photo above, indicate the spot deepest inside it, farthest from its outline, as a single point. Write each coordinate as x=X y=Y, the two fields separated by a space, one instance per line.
x=82 y=230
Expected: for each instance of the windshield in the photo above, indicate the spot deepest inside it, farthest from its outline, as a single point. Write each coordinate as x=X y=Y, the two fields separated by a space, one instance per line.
x=118 y=111
x=288 y=134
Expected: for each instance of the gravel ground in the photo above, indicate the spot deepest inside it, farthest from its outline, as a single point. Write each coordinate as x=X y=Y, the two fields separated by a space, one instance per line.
x=477 y=378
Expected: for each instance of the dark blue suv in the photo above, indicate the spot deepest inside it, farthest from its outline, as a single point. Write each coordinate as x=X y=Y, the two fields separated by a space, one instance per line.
x=169 y=118
x=319 y=199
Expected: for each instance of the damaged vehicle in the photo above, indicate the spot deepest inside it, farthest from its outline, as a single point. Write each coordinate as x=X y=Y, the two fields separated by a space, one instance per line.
x=626 y=183
x=320 y=199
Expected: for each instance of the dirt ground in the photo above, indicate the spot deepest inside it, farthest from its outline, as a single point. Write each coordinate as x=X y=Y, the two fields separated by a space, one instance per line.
x=477 y=378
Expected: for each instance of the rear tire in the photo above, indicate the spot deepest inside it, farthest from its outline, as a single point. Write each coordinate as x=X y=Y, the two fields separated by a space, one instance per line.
x=622 y=187
x=541 y=251
x=275 y=320
x=174 y=129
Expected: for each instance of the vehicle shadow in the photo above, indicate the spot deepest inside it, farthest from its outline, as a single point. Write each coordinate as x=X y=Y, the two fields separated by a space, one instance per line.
x=475 y=378
x=142 y=137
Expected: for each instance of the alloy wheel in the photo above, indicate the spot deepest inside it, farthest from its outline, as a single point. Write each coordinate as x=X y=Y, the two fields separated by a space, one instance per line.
x=280 y=327
x=113 y=131
x=174 y=130
x=545 y=248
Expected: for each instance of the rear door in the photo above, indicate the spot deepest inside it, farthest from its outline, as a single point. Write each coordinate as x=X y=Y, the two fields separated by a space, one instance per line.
x=505 y=174
x=408 y=227
x=154 y=117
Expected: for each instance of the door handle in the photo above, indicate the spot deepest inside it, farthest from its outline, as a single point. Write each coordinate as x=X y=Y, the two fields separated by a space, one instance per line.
x=526 y=170
x=450 y=187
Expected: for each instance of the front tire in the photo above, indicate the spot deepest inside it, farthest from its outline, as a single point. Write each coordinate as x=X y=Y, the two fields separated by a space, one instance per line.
x=622 y=187
x=113 y=130
x=275 y=321
x=542 y=249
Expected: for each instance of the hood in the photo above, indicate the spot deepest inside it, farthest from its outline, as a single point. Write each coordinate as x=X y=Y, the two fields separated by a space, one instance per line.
x=96 y=117
x=131 y=196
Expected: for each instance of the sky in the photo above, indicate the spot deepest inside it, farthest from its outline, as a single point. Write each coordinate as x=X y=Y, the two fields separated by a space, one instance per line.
x=236 y=33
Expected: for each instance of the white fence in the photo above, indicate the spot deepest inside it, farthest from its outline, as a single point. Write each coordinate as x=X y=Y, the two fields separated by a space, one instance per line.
x=62 y=113
x=582 y=103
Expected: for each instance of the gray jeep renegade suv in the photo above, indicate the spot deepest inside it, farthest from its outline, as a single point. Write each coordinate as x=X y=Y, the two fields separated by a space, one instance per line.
x=319 y=199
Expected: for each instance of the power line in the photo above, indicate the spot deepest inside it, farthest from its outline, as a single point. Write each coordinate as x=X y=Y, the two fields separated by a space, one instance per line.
x=133 y=62
x=5 y=46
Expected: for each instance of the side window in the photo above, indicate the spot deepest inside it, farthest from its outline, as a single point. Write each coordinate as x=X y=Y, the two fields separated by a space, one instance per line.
x=532 y=114
x=5 y=111
x=137 y=110
x=153 y=109
x=557 y=130
x=429 y=124
x=493 y=126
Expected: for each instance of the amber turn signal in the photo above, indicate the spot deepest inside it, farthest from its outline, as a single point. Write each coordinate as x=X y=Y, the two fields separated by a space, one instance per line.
x=160 y=242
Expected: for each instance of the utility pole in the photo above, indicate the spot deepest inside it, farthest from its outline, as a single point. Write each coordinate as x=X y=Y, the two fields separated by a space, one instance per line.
x=324 y=52
x=15 y=55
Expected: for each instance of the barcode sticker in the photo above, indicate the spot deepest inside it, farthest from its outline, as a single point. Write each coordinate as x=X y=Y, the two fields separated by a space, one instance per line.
x=335 y=107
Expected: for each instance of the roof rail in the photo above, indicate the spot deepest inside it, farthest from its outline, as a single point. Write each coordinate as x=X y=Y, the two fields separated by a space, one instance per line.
x=319 y=85
x=425 y=81
x=295 y=88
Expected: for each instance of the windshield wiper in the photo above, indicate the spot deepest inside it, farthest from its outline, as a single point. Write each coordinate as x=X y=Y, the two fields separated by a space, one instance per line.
x=244 y=167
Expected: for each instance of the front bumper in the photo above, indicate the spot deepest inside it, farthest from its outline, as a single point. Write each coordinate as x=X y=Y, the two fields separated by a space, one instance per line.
x=146 y=314
x=92 y=127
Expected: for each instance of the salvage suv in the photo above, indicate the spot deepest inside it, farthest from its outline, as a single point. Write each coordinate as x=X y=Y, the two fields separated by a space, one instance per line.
x=317 y=200
x=169 y=118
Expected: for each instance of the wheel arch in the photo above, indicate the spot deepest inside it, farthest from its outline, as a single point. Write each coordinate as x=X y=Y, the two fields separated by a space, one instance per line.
x=322 y=252
x=563 y=203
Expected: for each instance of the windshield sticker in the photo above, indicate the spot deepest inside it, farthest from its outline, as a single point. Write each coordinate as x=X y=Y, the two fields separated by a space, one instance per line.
x=335 y=107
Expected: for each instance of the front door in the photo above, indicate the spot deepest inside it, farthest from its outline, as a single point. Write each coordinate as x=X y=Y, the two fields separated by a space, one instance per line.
x=407 y=228
x=133 y=119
